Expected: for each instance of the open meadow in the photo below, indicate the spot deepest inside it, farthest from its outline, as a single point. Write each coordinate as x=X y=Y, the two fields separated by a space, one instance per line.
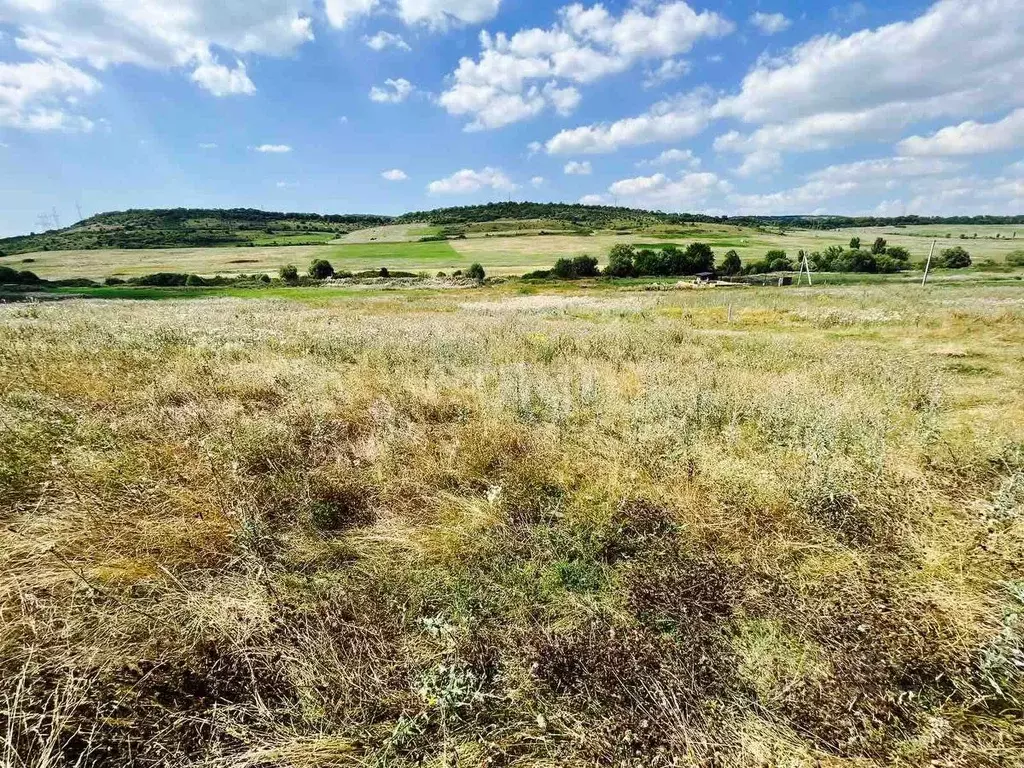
x=397 y=247
x=515 y=526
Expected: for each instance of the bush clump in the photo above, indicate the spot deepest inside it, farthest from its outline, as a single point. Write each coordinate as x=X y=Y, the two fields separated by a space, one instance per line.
x=475 y=272
x=954 y=258
x=773 y=261
x=620 y=261
x=288 y=273
x=161 y=279
x=321 y=269
x=731 y=264
x=627 y=261
x=14 y=277
x=835 y=258
x=577 y=267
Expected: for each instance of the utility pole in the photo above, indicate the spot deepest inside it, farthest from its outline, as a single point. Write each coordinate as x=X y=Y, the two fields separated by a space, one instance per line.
x=43 y=221
x=78 y=208
x=928 y=265
x=56 y=218
x=804 y=266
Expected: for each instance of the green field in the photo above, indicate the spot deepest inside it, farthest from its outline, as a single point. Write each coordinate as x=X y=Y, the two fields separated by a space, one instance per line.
x=498 y=254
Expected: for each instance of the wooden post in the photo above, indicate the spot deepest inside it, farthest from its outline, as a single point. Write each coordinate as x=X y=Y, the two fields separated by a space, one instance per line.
x=730 y=314
x=807 y=265
x=928 y=265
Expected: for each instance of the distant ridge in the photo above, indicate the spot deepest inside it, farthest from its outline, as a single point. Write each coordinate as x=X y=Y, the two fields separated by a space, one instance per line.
x=204 y=227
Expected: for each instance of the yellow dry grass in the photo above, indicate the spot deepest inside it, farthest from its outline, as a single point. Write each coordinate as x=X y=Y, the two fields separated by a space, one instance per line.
x=482 y=527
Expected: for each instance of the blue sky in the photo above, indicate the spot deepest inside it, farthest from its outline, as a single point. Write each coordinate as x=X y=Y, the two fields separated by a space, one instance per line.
x=386 y=106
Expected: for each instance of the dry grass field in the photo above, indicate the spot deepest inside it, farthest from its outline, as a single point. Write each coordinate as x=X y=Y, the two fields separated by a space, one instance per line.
x=509 y=527
x=396 y=247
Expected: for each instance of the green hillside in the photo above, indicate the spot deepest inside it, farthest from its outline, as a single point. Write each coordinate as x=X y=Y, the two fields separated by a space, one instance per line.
x=200 y=227
x=191 y=227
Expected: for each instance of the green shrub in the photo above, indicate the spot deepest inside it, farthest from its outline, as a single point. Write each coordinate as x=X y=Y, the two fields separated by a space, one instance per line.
x=954 y=258
x=620 y=261
x=1015 y=259
x=288 y=273
x=878 y=247
x=698 y=257
x=195 y=280
x=886 y=264
x=897 y=252
x=650 y=262
x=113 y=281
x=574 y=268
x=731 y=264
x=161 y=279
x=854 y=243
x=321 y=269
x=475 y=272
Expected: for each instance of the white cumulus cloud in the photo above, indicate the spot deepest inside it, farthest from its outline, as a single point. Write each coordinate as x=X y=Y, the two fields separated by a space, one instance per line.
x=970 y=138
x=958 y=58
x=383 y=40
x=770 y=23
x=685 y=191
x=666 y=121
x=673 y=157
x=223 y=81
x=341 y=12
x=517 y=77
x=395 y=174
x=37 y=96
x=273 y=149
x=443 y=13
x=468 y=180
x=395 y=91
x=574 y=168
x=158 y=35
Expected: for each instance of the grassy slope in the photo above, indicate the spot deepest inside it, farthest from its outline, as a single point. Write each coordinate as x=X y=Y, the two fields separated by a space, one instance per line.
x=548 y=528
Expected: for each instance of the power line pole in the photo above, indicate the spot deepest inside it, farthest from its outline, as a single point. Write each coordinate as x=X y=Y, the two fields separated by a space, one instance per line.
x=928 y=265
x=43 y=221
x=804 y=266
x=56 y=218
x=79 y=209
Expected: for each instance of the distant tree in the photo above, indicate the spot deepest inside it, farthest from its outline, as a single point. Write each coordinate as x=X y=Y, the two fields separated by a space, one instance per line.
x=195 y=280
x=854 y=243
x=698 y=258
x=475 y=272
x=579 y=266
x=777 y=261
x=731 y=264
x=650 y=262
x=855 y=261
x=955 y=258
x=620 y=261
x=321 y=269
x=878 y=246
x=288 y=273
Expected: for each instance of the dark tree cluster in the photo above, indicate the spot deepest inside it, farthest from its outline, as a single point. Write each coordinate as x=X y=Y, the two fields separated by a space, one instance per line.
x=626 y=261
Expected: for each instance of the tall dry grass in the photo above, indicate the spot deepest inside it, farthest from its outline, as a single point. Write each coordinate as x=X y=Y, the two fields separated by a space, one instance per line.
x=508 y=529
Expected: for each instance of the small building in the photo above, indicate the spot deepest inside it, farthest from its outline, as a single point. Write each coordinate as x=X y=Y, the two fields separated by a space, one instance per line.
x=705 y=277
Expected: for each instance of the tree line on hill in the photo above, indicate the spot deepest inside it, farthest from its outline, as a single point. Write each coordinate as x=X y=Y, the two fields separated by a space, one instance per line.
x=209 y=227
